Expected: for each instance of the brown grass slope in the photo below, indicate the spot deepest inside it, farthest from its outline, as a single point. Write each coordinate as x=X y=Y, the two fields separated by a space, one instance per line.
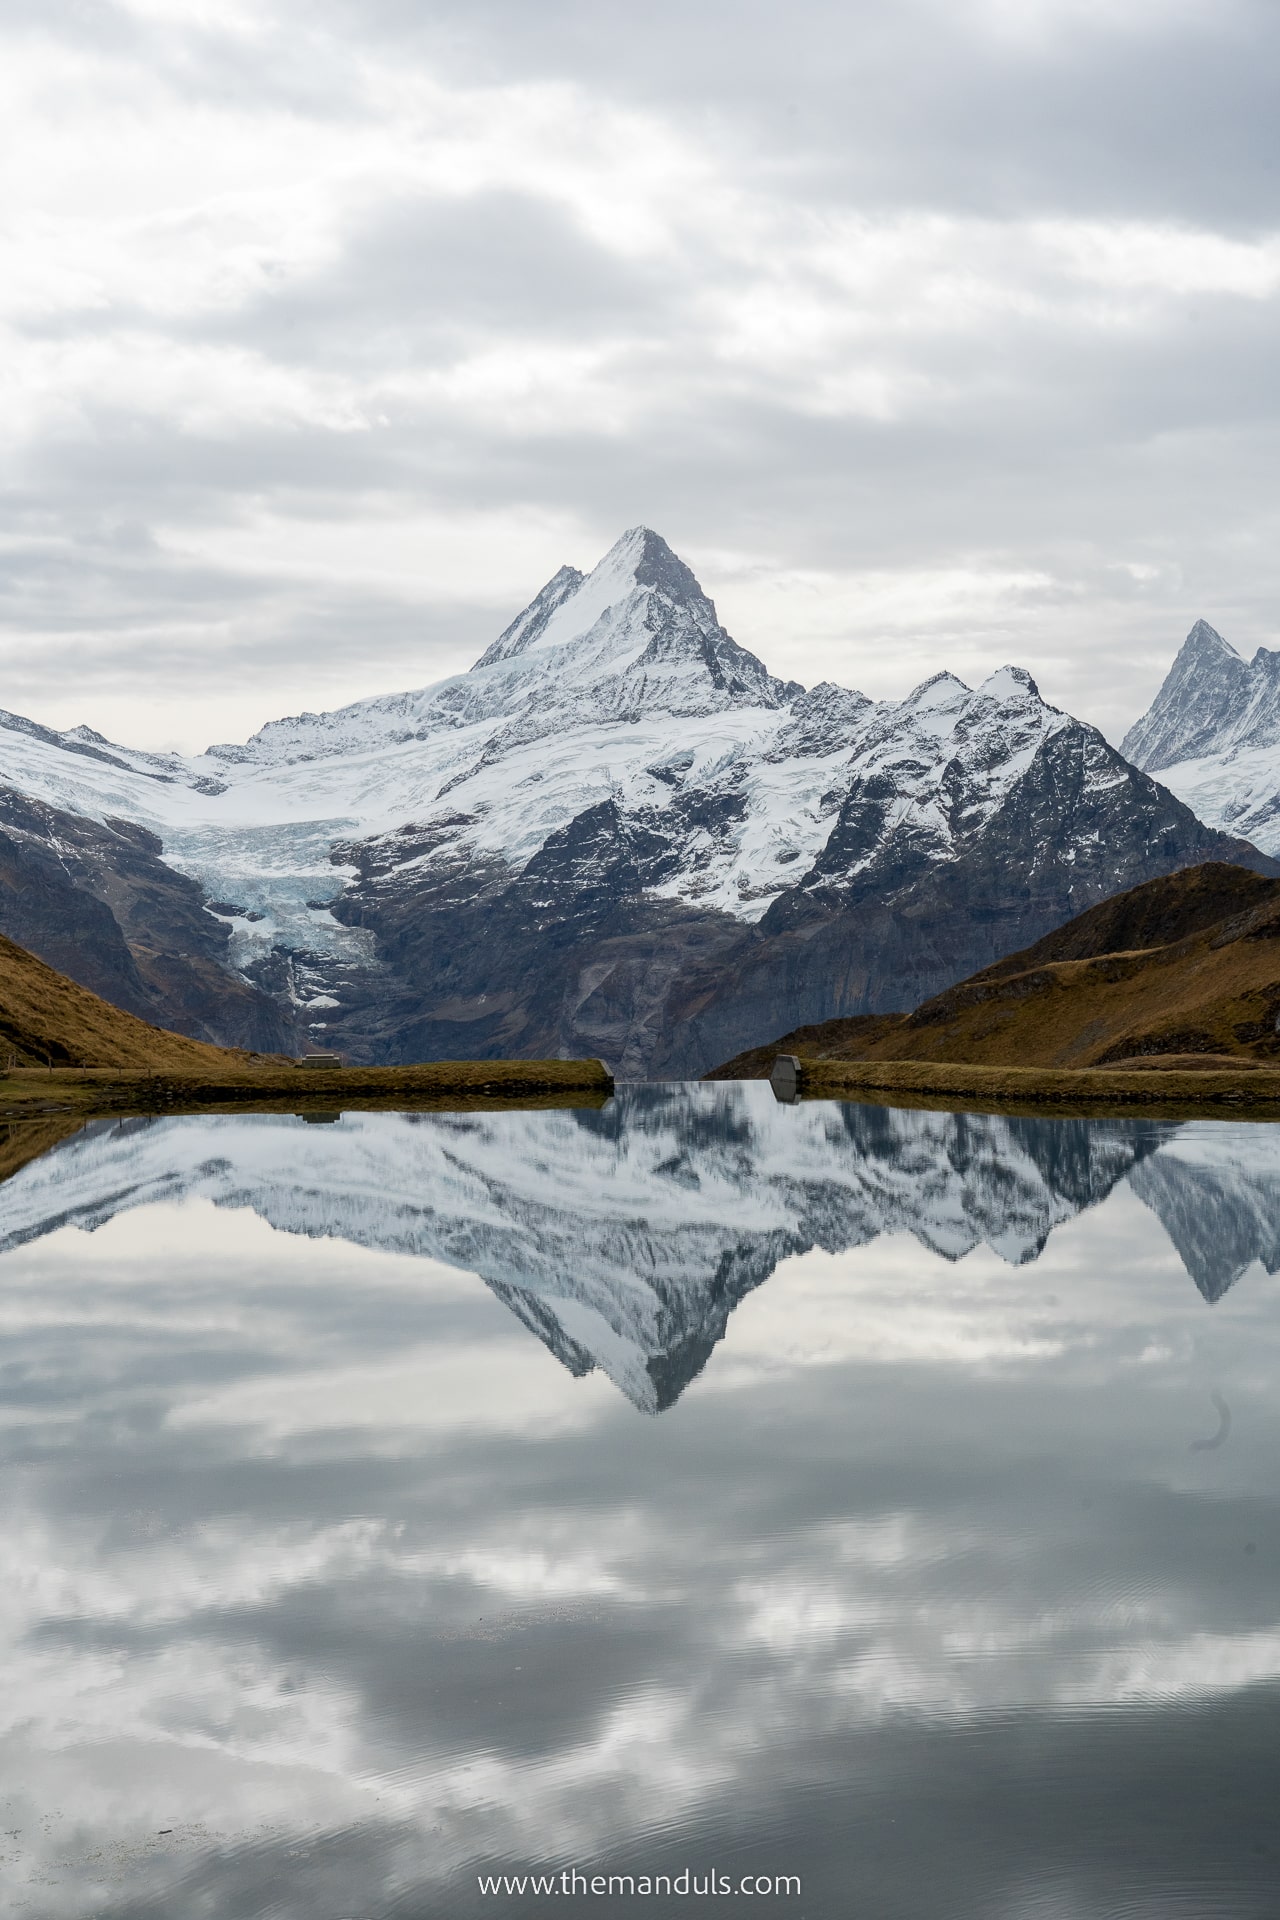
x=849 y=1039
x=1180 y=971
x=64 y=1052
x=46 y=1019
x=28 y=1140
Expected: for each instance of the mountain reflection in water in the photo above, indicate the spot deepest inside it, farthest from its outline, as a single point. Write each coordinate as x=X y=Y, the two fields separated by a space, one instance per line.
x=947 y=1579
x=625 y=1237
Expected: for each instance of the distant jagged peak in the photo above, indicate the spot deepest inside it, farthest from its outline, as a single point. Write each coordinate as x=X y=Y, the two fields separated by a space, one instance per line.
x=1205 y=697
x=1205 y=642
x=939 y=690
x=944 y=716
x=1007 y=686
x=88 y=745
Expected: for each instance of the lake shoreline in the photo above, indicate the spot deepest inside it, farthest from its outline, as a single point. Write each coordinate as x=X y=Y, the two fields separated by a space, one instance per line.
x=287 y=1088
x=1084 y=1092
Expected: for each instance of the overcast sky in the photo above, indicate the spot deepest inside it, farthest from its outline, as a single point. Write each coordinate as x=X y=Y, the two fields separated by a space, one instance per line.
x=930 y=332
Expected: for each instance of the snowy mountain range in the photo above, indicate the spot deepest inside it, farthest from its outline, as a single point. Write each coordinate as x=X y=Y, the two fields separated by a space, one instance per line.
x=618 y=834
x=1212 y=733
x=625 y=1237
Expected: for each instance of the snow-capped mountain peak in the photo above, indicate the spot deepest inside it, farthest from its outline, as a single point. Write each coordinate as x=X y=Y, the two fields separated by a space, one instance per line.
x=941 y=692
x=943 y=701
x=1009 y=686
x=635 y=636
x=639 y=630
x=1207 y=689
x=926 y=775
x=640 y=564
x=1213 y=735
x=589 y=841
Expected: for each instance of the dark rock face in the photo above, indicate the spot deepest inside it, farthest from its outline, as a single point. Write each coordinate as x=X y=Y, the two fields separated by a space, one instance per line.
x=567 y=956
x=101 y=905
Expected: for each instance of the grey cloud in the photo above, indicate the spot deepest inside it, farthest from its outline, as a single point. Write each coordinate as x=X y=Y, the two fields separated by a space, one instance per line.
x=415 y=282
x=1165 y=110
x=418 y=282
x=1085 y=454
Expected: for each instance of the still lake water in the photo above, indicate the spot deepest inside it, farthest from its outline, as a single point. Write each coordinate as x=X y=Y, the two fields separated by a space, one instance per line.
x=887 y=1499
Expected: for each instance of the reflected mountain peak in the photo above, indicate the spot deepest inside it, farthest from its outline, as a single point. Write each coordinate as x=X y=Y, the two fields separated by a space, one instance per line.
x=623 y=1238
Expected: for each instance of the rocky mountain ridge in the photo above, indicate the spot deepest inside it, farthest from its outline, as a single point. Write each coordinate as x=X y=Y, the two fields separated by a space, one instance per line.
x=618 y=834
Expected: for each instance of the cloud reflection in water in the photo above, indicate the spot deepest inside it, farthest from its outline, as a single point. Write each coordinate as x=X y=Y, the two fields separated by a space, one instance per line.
x=917 y=1586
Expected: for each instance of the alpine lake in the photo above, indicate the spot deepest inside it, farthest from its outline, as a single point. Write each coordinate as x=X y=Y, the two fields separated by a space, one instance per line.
x=700 y=1503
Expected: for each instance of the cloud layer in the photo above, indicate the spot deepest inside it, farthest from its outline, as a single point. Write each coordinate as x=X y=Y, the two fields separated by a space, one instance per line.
x=929 y=335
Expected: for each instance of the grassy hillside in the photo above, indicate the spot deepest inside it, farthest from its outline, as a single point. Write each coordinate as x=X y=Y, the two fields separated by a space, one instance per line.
x=64 y=1051
x=1182 y=969
x=46 y=1019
